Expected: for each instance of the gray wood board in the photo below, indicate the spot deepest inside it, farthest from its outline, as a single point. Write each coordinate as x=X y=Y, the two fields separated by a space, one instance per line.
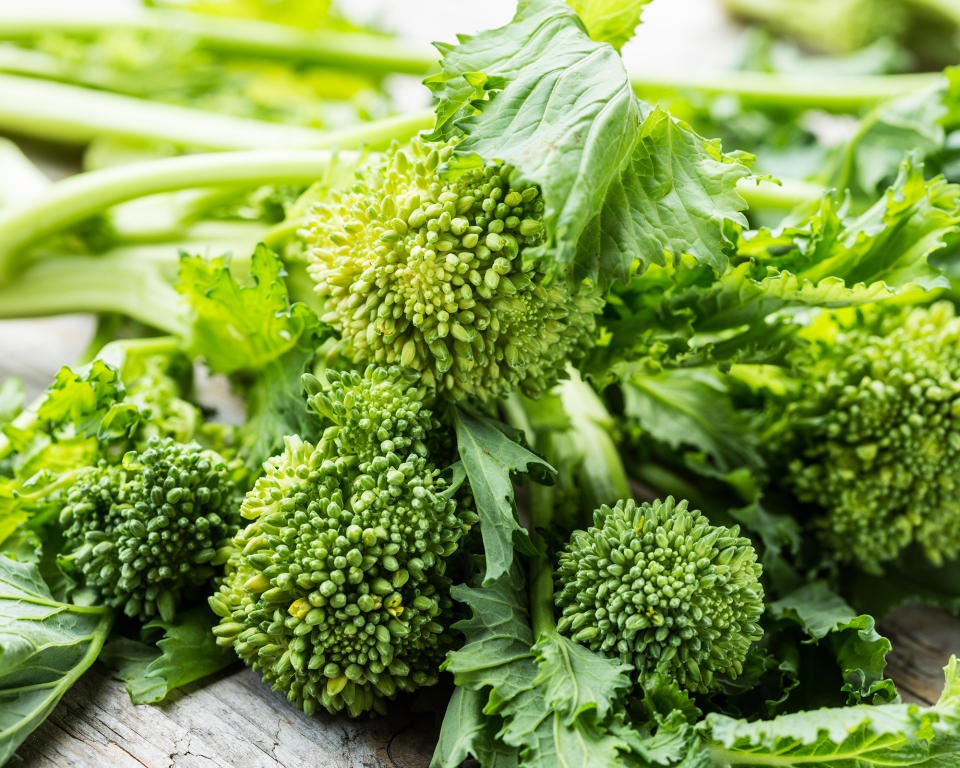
x=234 y=721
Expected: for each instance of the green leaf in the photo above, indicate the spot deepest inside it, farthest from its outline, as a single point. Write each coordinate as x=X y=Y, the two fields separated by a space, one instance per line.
x=45 y=646
x=186 y=652
x=12 y=395
x=80 y=401
x=467 y=731
x=610 y=21
x=868 y=162
x=624 y=185
x=254 y=332
x=497 y=635
x=880 y=253
x=575 y=680
x=691 y=409
x=241 y=327
x=859 y=649
x=555 y=698
x=862 y=736
x=489 y=456
x=822 y=257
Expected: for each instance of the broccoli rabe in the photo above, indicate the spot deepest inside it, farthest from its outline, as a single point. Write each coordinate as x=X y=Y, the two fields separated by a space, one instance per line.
x=435 y=274
x=139 y=533
x=337 y=591
x=870 y=434
x=662 y=588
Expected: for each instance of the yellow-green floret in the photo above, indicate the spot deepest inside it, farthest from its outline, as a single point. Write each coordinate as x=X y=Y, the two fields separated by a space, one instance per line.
x=875 y=434
x=659 y=586
x=142 y=533
x=430 y=272
x=338 y=590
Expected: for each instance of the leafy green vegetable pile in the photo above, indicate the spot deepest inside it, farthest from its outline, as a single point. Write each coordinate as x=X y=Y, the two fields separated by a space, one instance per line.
x=549 y=399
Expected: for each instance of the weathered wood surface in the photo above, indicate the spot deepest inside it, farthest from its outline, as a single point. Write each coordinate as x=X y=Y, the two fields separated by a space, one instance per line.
x=232 y=722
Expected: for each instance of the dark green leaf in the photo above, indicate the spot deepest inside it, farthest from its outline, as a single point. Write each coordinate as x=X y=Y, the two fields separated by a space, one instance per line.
x=45 y=646
x=691 y=409
x=489 y=456
x=903 y=735
x=859 y=649
x=186 y=652
x=467 y=731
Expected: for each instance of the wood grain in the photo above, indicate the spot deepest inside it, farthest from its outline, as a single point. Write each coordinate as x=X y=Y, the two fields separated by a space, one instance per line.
x=230 y=722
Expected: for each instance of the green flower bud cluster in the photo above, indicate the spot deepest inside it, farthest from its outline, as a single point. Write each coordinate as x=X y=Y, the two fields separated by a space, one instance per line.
x=430 y=272
x=337 y=592
x=663 y=589
x=875 y=435
x=380 y=411
x=139 y=533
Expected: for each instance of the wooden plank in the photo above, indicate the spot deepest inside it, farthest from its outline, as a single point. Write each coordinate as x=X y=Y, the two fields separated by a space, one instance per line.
x=234 y=720
x=230 y=722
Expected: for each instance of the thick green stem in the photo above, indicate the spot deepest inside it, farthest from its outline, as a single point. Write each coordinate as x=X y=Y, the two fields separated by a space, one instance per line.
x=79 y=197
x=600 y=478
x=541 y=569
x=378 y=54
x=70 y=114
x=795 y=92
x=783 y=196
x=127 y=284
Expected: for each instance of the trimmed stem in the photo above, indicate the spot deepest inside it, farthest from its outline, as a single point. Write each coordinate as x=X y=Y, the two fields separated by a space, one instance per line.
x=122 y=284
x=783 y=196
x=378 y=54
x=797 y=92
x=70 y=114
x=601 y=479
x=75 y=115
x=77 y=198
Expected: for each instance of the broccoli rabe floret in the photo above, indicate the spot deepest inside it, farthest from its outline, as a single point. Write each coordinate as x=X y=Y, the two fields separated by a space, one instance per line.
x=338 y=590
x=659 y=586
x=436 y=274
x=872 y=435
x=139 y=534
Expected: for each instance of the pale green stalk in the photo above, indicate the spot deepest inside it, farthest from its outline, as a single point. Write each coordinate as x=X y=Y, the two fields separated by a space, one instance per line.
x=70 y=114
x=379 y=54
x=79 y=197
x=788 y=91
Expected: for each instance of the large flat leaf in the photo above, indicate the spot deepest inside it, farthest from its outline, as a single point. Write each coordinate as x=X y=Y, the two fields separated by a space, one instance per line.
x=902 y=735
x=45 y=646
x=624 y=185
